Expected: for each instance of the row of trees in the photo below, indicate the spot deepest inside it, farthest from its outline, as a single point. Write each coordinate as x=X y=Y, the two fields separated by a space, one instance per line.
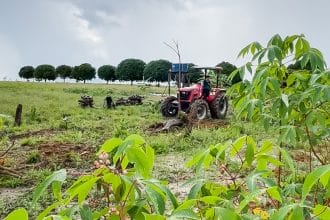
x=128 y=70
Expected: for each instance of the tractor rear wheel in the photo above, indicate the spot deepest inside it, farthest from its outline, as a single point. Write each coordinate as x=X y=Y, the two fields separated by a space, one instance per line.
x=219 y=106
x=167 y=108
x=198 y=109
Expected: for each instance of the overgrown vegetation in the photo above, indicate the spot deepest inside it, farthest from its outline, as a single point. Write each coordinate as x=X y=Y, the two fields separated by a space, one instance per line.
x=254 y=175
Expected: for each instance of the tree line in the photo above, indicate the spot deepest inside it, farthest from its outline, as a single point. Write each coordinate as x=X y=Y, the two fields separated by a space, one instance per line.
x=127 y=70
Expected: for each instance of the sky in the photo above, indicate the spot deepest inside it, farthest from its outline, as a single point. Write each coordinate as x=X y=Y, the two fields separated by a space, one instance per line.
x=103 y=32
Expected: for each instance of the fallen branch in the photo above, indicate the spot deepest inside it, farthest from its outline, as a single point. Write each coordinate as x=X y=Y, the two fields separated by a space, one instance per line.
x=10 y=172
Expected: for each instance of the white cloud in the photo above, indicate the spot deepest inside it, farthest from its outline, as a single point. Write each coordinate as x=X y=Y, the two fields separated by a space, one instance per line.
x=108 y=31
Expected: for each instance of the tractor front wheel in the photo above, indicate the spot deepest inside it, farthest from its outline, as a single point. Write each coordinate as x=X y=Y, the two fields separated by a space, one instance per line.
x=219 y=106
x=168 y=108
x=199 y=109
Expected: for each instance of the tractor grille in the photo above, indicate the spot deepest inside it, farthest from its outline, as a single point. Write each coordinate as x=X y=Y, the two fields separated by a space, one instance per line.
x=185 y=106
x=184 y=95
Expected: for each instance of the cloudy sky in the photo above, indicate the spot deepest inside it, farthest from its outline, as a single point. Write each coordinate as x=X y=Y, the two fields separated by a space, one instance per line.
x=107 y=31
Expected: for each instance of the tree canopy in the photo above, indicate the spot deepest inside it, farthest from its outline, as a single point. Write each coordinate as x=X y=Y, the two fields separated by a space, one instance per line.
x=45 y=72
x=83 y=72
x=130 y=69
x=107 y=73
x=63 y=71
x=157 y=70
x=227 y=69
x=195 y=75
x=26 y=72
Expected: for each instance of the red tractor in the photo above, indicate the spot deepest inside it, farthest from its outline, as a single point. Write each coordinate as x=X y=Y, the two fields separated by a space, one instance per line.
x=191 y=100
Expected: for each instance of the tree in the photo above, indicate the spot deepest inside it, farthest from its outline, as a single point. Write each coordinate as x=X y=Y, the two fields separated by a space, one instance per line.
x=26 y=72
x=63 y=71
x=107 y=72
x=157 y=70
x=83 y=72
x=130 y=69
x=194 y=75
x=227 y=69
x=45 y=72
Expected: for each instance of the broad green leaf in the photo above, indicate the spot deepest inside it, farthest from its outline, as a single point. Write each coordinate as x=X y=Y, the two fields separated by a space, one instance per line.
x=164 y=189
x=251 y=196
x=156 y=199
x=47 y=210
x=252 y=179
x=313 y=178
x=285 y=100
x=297 y=213
x=274 y=52
x=82 y=189
x=153 y=217
x=198 y=160
x=184 y=214
x=110 y=144
x=237 y=145
x=137 y=140
x=56 y=187
x=86 y=213
x=221 y=213
x=210 y=200
x=19 y=213
x=274 y=193
x=141 y=162
x=282 y=212
x=321 y=212
x=59 y=176
x=249 y=152
x=288 y=160
x=266 y=147
x=195 y=190
x=275 y=86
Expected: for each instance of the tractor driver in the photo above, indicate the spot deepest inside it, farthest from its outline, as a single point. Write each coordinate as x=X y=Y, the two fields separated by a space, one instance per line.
x=206 y=87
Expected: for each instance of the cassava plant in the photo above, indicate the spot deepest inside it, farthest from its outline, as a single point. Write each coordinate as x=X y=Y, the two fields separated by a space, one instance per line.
x=296 y=100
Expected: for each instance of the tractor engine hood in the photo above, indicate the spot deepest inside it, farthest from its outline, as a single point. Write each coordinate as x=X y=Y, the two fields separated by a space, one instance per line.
x=191 y=88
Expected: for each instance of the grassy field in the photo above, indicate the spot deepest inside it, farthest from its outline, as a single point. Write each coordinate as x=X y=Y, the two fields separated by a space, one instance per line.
x=56 y=133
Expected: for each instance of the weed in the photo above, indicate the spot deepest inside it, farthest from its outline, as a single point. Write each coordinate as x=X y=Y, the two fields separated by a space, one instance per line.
x=34 y=157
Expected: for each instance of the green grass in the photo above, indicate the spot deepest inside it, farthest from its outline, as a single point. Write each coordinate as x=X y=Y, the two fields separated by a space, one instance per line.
x=45 y=105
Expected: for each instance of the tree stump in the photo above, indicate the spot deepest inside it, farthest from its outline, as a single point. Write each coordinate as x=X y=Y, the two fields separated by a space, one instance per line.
x=18 y=115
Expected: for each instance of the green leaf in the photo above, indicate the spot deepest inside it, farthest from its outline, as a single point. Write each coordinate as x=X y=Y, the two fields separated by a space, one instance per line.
x=221 y=213
x=313 y=178
x=252 y=179
x=82 y=189
x=288 y=160
x=195 y=190
x=56 y=187
x=282 y=212
x=156 y=199
x=168 y=193
x=46 y=211
x=237 y=145
x=251 y=196
x=250 y=149
x=141 y=162
x=297 y=213
x=274 y=52
x=86 y=213
x=184 y=214
x=59 y=176
x=274 y=193
x=110 y=144
x=153 y=217
x=198 y=160
x=285 y=100
x=266 y=147
x=137 y=140
x=321 y=212
x=19 y=213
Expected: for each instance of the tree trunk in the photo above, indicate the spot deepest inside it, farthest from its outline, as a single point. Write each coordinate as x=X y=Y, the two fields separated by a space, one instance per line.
x=64 y=80
x=131 y=82
x=84 y=81
x=107 y=82
x=45 y=80
x=18 y=115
